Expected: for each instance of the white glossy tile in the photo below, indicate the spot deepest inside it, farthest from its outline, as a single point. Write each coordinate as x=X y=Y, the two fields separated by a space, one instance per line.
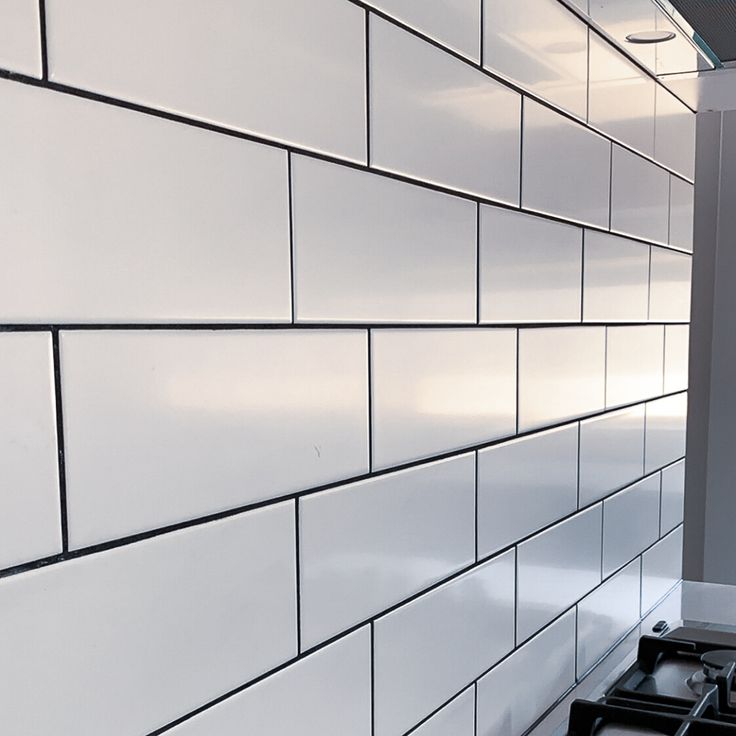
x=457 y=718
x=164 y=426
x=453 y=23
x=630 y=523
x=326 y=694
x=640 y=192
x=611 y=453
x=30 y=517
x=440 y=390
x=159 y=623
x=682 y=210
x=616 y=279
x=674 y=137
x=504 y=708
x=634 y=364
x=666 y=424
x=144 y=220
x=369 y=545
x=369 y=248
x=606 y=615
x=669 y=290
x=435 y=118
x=561 y=374
x=541 y=46
x=565 y=167
x=524 y=485
x=216 y=63
x=530 y=268
x=661 y=568
x=434 y=646
x=676 y=356
x=673 y=497
x=621 y=101
x=557 y=568
x=20 y=37
x=621 y=17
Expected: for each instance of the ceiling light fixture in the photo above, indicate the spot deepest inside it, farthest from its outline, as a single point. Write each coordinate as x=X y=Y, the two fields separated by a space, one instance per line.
x=650 y=36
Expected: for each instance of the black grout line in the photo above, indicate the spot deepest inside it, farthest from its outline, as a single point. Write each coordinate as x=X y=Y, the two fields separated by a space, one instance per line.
x=373 y=677
x=293 y=148
x=521 y=152
x=482 y=41
x=603 y=527
x=577 y=617
x=476 y=457
x=649 y=283
x=292 y=271
x=369 y=384
x=475 y=708
x=610 y=189
x=335 y=326
x=477 y=262
x=518 y=378
x=44 y=44
x=60 y=441
x=297 y=553
x=516 y=595
x=577 y=487
x=142 y=536
x=371 y=623
x=367 y=88
x=582 y=277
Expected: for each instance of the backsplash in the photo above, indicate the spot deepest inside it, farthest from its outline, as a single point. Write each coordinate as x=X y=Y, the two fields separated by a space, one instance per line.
x=344 y=363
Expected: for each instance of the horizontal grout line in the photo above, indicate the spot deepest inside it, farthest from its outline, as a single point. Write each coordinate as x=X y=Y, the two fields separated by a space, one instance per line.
x=584 y=18
x=293 y=148
x=371 y=621
x=236 y=511
x=245 y=326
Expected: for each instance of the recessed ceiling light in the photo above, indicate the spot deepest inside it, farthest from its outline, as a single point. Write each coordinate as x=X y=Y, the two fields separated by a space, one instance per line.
x=650 y=36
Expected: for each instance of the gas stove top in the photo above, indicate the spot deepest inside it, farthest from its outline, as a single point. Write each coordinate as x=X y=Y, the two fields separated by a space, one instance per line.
x=681 y=684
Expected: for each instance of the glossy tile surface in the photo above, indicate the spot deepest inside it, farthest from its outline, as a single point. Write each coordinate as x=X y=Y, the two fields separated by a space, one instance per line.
x=556 y=568
x=561 y=374
x=541 y=46
x=153 y=222
x=674 y=138
x=621 y=101
x=454 y=23
x=529 y=268
x=621 y=17
x=440 y=390
x=682 y=205
x=30 y=517
x=676 y=356
x=639 y=197
x=611 y=453
x=616 y=279
x=666 y=424
x=314 y=96
x=504 y=707
x=669 y=296
x=457 y=718
x=325 y=694
x=435 y=118
x=661 y=568
x=193 y=423
x=673 y=497
x=606 y=615
x=565 y=167
x=370 y=545
x=524 y=485
x=168 y=612
x=431 y=648
x=634 y=364
x=20 y=37
x=368 y=248
x=630 y=523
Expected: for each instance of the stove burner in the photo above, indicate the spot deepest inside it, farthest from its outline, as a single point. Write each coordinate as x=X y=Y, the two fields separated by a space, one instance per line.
x=716 y=661
x=682 y=683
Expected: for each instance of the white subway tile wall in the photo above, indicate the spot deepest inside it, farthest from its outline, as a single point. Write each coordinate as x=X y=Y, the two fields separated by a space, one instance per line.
x=343 y=362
